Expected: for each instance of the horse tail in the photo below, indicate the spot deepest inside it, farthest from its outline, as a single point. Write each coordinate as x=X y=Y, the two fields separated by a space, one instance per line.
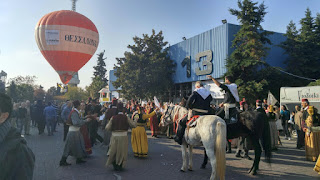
x=220 y=149
x=266 y=141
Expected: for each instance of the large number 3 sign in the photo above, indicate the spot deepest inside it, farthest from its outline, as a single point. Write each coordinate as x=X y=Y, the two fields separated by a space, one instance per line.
x=205 y=62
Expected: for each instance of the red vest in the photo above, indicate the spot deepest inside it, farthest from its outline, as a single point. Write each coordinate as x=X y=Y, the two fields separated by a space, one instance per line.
x=120 y=123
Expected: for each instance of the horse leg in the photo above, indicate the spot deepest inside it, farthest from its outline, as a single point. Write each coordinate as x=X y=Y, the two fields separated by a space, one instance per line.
x=190 y=158
x=205 y=160
x=257 y=156
x=212 y=157
x=184 y=156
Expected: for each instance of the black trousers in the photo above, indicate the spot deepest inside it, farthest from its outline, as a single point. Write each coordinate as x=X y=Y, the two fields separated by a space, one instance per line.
x=41 y=126
x=65 y=131
x=93 y=130
x=300 y=140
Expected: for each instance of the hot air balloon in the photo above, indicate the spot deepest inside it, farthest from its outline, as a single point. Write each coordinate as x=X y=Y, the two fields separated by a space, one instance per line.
x=67 y=40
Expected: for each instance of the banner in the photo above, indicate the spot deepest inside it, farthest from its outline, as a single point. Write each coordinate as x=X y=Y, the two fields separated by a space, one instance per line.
x=156 y=102
x=271 y=99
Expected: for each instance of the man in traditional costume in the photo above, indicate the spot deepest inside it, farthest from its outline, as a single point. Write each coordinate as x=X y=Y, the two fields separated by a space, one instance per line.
x=74 y=143
x=139 y=139
x=298 y=119
x=243 y=144
x=199 y=103
x=119 y=125
x=16 y=158
x=231 y=97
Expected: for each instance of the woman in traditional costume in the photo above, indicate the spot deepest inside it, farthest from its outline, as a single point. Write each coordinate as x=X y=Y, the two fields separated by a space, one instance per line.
x=273 y=127
x=312 y=139
x=139 y=140
x=84 y=130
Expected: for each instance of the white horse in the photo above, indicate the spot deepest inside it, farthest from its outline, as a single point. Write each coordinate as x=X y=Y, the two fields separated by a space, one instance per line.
x=210 y=132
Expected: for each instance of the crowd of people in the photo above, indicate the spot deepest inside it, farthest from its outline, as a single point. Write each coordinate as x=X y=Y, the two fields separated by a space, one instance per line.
x=81 y=121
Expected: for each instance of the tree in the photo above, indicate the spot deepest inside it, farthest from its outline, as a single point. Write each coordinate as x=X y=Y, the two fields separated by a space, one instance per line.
x=12 y=91
x=146 y=70
x=51 y=92
x=24 y=80
x=94 y=88
x=250 y=50
x=315 y=83
x=75 y=93
x=303 y=49
x=39 y=94
x=100 y=69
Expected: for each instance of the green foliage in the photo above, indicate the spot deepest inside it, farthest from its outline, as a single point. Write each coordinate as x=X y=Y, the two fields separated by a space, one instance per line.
x=100 y=69
x=250 y=50
x=39 y=94
x=146 y=70
x=303 y=49
x=94 y=88
x=21 y=88
x=76 y=93
x=315 y=83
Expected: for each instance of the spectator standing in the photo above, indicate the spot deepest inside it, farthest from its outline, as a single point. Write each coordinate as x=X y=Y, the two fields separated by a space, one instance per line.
x=14 y=115
x=312 y=139
x=50 y=115
x=285 y=117
x=28 y=118
x=33 y=107
x=298 y=126
x=16 y=158
x=64 y=115
x=273 y=127
x=22 y=117
x=39 y=117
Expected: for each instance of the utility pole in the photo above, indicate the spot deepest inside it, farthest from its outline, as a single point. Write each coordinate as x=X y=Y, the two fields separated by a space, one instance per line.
x=74 y=5
x=75 y=78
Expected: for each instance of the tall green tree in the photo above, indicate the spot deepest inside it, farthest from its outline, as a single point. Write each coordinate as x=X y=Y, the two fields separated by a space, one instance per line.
x=94 y=88
x=12 y=91
x=303 y=49
x=76 y=93
x=100 y=70
x=146 y=70
x=250 y=50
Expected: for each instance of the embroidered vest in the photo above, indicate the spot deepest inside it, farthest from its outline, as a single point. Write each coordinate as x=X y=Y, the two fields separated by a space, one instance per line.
x=120 y=123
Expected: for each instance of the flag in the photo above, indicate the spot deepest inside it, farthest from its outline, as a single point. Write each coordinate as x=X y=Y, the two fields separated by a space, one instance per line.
x=156 y=102
x=271 y=99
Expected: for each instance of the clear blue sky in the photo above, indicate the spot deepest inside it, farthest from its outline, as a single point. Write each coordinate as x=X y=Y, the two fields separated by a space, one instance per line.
x=117 y=22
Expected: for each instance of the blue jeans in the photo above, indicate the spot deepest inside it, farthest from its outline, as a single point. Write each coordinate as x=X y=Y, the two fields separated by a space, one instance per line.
x=50 y=125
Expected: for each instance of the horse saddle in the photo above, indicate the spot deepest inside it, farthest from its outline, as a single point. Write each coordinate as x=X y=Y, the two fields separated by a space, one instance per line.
x=193 y=121
x=233 y=116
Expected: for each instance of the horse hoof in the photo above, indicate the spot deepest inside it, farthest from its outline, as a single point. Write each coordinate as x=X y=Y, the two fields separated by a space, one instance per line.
x=203 y=166
x=190 y=169
x=181 y=170
x=253 y=173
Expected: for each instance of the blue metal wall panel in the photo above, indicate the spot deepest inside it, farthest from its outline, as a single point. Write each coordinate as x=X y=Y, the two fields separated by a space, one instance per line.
x=214 y=40
x=219 y=41
x=276 y=54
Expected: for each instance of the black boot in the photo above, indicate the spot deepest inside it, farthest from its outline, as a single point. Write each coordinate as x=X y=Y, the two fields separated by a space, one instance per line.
x=79 y=161
x=238 y=154
x=180 y=132
x=63 y=162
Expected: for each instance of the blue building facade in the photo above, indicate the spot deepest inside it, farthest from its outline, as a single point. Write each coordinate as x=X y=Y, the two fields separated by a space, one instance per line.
x=207 y=53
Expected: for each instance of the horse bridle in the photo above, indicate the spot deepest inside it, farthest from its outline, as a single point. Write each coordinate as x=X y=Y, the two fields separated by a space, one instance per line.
x=169 y=114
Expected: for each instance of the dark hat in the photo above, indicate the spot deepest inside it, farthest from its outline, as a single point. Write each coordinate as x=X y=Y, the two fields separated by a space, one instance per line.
x=304 y=100
x=114 y=102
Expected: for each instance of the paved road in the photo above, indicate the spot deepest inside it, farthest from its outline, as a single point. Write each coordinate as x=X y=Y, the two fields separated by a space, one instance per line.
x=164 y=162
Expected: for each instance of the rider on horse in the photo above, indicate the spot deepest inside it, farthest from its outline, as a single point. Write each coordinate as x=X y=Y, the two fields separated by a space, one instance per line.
x=199 y=103
x=231 y=97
